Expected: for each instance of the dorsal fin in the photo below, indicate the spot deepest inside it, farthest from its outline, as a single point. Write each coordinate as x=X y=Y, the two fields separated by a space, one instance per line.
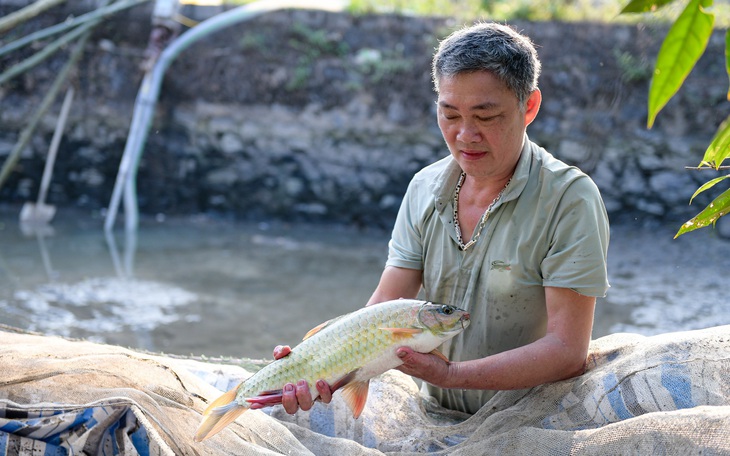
x=321 y=326
x=315 y=330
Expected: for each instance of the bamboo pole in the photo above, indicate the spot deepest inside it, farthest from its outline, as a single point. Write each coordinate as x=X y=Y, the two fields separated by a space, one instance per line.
x=27 y=132
x=40 y=56
x=29 y=12
x=98 y=13
x=55 y=143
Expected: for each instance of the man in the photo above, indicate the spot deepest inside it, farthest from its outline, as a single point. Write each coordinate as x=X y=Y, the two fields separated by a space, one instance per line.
x=500 y=228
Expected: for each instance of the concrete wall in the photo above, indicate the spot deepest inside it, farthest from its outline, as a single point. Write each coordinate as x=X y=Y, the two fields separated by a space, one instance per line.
x=320 y=116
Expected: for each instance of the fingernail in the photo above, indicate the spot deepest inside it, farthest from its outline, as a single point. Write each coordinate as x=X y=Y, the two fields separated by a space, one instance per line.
x=401 y=354
x=320 y=384
x=302 y=383
x=289 y=387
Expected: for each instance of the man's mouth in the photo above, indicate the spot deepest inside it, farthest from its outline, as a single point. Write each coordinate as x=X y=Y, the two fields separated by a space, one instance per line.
x=472 y=154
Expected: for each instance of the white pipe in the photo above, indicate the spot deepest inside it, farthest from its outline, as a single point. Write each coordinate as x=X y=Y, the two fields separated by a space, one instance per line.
x=150 y=90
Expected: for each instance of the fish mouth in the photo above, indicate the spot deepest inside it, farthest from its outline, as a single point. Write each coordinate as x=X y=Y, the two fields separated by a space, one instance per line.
x=464 y=320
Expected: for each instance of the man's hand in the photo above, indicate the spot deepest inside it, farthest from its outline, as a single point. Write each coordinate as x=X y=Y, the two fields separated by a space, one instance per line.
x=425 y=366
x=297 y=397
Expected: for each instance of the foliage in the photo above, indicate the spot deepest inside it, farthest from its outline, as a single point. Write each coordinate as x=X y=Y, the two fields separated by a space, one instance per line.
x=460 y=9
x=498 y=10
x=684 y=44
x=382 y=65
x=312 y=45
x=633 y=69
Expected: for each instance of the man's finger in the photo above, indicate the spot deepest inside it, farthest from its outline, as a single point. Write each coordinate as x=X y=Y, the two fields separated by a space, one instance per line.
x=325 y=393
x=289 y=399
x=281 y=351
x=304 y=397
x=405 y=354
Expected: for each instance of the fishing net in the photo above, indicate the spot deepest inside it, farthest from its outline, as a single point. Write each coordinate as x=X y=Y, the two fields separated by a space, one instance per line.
x=666 y=394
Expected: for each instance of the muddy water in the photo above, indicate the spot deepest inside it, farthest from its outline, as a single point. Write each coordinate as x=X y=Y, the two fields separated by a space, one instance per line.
x=202 y=286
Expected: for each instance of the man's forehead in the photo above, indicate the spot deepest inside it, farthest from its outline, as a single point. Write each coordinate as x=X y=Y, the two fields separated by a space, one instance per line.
x=473 y=90
x=475 y=105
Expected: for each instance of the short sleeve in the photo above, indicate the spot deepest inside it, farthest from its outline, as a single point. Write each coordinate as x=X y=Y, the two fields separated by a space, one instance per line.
x=579 y=237
x=405 y=249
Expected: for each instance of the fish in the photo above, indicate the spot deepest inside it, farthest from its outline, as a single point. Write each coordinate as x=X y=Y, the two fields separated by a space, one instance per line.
x=347 y=352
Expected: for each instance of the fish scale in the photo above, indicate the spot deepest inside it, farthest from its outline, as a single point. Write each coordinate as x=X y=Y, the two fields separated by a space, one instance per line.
x=346 y=352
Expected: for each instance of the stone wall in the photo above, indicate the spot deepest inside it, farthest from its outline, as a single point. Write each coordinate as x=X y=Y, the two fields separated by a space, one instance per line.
x=325 y=117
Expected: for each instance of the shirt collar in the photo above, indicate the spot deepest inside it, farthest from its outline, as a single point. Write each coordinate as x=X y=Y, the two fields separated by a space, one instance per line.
x=521 y=174
x=445 y=183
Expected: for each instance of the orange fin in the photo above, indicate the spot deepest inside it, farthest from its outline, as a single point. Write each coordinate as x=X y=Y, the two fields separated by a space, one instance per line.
x=315 y=330
x=437 y=353
x=219 y=414
x=355 y=395
x=222 y=400
x=403 y=333
x=321 y=326
x=344 y=381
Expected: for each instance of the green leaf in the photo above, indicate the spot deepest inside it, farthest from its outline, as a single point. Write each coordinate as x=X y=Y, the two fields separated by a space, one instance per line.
x=727 y=58
x=719 y=149
x=708 y=185
x=682 y=47
x=709 y=215
x=644 y=6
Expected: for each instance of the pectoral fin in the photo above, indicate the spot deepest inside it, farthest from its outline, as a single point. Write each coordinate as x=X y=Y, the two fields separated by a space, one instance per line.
x=403 y=333
x=440 y=355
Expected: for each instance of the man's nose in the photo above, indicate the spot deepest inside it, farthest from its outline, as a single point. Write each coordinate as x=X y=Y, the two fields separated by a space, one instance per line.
x=468 y=132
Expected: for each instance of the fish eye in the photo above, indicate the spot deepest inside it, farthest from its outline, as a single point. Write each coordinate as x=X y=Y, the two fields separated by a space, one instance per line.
x=447 y=310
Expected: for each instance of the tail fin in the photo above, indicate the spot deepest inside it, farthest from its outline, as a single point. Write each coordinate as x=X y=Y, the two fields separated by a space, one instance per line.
x=219 y=414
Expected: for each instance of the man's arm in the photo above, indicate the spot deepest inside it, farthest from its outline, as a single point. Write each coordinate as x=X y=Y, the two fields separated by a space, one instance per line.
x=560 y=354
x=396 y=283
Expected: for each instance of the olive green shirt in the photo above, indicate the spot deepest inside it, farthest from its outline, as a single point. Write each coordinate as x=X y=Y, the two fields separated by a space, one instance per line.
x=549 y=229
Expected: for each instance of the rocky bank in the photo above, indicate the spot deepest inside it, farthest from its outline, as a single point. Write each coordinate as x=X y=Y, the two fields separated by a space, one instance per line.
x=303 y=115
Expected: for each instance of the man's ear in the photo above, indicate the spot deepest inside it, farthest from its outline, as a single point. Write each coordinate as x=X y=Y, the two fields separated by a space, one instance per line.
x=532 y=106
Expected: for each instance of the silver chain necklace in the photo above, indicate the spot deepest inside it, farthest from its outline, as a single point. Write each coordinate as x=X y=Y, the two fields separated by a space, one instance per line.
x=482 y=221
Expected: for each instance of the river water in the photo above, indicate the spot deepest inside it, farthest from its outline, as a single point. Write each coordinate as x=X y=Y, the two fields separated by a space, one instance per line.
x=203 y=286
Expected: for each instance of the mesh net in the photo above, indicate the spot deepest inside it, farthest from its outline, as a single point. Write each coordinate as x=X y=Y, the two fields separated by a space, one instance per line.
x=666 y=394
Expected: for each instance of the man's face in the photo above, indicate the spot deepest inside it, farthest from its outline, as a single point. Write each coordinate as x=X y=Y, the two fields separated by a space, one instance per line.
x=482 y=123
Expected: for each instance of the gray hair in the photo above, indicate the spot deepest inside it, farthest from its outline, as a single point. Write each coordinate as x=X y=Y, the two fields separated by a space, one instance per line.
x=496 y=48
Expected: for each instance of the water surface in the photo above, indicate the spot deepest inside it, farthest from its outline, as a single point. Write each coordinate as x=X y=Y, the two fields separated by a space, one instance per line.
x=203 y=286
